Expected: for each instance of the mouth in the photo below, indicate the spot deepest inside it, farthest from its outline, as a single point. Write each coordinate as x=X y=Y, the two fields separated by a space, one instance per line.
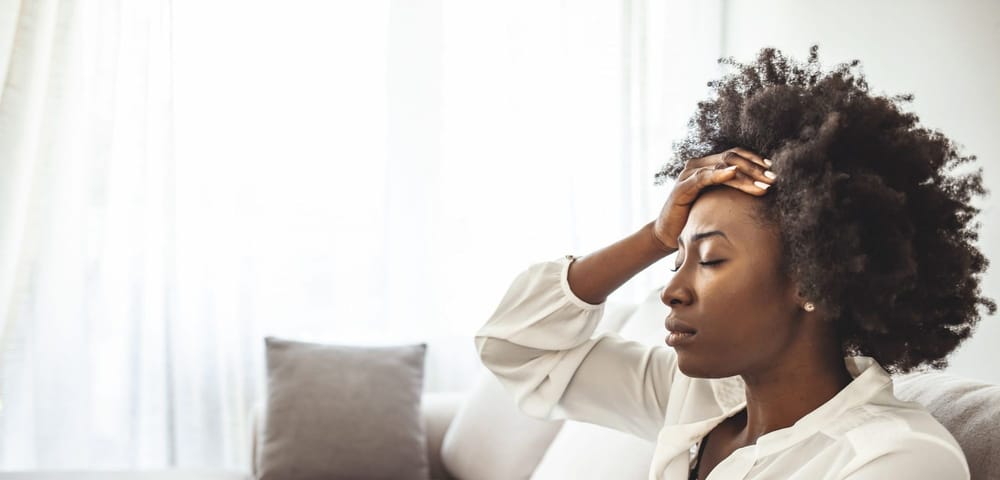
x=675 y=339
x=679 y=332
x=674 y=325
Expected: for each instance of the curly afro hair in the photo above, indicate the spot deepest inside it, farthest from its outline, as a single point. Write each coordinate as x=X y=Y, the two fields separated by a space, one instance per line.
x=876 y=227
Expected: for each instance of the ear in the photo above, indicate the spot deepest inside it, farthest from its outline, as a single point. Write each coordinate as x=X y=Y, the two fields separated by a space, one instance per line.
x=799 y=296
x=806 y=304
x=796 y=297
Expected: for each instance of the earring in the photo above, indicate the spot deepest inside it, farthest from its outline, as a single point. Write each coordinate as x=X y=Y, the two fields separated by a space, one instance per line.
x=809 y=306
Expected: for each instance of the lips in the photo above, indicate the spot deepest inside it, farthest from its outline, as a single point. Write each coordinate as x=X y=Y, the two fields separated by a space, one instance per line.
x=675 y=325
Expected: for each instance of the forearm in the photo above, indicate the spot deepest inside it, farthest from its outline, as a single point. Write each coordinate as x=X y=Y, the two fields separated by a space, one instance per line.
x=593 y=277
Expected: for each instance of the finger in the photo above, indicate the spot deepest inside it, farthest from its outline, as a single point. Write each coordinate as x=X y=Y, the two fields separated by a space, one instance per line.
x=711 y=162
x=749 y=168
x=690 y=170
x=701 y=178
x=747 y=184
x=713 y=176
x=708 y=160
x=759 y=160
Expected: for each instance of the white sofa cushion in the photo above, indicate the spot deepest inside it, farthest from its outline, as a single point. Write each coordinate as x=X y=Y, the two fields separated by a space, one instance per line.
x=437 y=411
x=646 y=324
x=490 y=439
x=584 y=451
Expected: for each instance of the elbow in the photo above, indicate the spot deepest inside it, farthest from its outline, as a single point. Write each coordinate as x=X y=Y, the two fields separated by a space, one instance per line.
x=490 y=356
x=504 y=357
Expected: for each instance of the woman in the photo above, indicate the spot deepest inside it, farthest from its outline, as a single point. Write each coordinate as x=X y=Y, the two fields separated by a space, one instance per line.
x=802 y=280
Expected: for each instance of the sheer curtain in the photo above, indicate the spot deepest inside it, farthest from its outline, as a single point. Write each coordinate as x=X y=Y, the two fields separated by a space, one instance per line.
x=85 y=243
x=180 y=179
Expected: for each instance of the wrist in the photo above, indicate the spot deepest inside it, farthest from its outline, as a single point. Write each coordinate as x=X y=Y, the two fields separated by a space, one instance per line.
x=656 y=242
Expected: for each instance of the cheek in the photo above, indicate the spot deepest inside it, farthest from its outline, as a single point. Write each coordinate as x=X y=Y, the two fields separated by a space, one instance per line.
x=748 y=305
x=746 y=322
x=761 y=315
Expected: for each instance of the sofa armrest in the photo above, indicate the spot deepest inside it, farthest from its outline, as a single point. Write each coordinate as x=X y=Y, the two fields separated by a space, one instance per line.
x=437 y=410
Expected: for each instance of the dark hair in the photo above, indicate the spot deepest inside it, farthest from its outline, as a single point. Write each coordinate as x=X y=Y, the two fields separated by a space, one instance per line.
x=877 y=229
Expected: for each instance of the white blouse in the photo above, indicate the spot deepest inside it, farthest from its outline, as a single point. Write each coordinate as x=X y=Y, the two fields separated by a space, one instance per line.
x=539 y=342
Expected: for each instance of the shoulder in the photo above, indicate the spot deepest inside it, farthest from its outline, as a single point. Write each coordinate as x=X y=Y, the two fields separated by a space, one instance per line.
x=899 y=440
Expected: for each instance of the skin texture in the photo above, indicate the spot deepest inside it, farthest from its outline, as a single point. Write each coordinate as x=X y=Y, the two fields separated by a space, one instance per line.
x=593 y=277
x=750 y=322
x=748 y=313
x=744 y=300
x=736 y=167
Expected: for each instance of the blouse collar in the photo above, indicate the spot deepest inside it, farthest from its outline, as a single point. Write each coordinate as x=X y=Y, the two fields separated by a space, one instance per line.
x=870 y=380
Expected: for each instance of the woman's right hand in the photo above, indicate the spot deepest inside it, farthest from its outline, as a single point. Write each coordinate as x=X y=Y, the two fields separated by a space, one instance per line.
x=736 y=167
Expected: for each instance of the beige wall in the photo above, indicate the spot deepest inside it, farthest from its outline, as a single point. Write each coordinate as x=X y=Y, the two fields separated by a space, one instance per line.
x=945 y=53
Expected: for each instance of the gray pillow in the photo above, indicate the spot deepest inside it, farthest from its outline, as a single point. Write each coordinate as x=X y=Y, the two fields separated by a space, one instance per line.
x=338 y=411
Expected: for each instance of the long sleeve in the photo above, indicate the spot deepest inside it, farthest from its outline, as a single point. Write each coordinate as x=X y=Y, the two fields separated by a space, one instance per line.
x=540 y=344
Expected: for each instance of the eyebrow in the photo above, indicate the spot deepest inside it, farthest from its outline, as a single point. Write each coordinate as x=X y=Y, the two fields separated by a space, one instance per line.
x=699 y=236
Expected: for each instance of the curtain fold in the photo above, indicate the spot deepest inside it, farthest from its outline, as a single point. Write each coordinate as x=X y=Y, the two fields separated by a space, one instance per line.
x=30 y=42
x=86 y=196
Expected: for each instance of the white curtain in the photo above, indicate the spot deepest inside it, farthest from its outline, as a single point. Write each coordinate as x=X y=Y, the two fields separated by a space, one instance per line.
x=180 y=179
x=85 y=242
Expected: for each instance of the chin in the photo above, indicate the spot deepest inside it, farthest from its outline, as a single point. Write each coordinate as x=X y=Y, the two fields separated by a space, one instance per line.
x=695 y=369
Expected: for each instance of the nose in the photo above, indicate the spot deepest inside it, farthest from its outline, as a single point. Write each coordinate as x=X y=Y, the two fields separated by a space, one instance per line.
x=676 y=294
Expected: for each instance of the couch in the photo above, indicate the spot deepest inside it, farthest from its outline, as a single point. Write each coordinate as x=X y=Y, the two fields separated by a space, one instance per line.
x=481 y=435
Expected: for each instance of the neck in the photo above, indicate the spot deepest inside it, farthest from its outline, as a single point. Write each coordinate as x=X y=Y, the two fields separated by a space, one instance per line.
x=780 y=396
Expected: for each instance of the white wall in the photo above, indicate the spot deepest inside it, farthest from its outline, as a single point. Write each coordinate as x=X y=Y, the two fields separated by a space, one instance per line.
x=945 y=53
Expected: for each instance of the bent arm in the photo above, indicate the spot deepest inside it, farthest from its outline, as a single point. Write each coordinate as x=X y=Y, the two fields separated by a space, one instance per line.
x=593 y=277
x=539 y=343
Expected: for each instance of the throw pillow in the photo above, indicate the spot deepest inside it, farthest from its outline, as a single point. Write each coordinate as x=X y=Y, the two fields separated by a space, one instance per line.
x=343 y=412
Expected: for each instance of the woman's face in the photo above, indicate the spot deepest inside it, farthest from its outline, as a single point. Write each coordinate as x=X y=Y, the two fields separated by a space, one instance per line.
x=742 y=308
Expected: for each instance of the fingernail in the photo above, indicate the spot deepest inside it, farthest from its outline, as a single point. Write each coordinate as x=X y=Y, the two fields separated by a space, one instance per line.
x=729 y=168
x=761 y=184
x=770 y=174
x=767 y=162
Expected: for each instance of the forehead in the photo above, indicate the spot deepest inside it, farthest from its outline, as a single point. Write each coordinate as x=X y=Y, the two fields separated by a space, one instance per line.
x=731 y=211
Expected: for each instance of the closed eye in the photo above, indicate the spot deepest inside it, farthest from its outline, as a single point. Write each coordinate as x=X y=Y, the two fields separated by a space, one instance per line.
x=707 y=264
